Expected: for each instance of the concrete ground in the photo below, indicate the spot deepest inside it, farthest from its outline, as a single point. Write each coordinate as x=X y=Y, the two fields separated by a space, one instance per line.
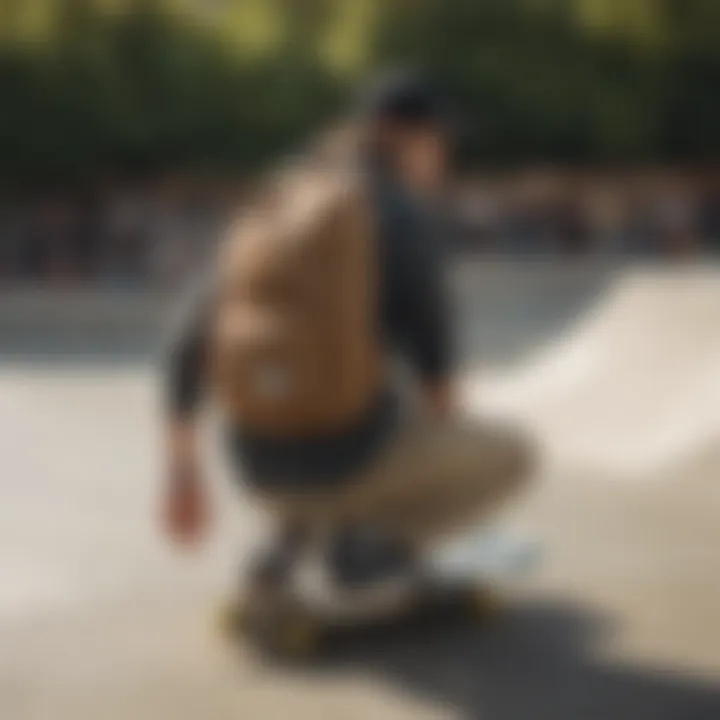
x=100 y=620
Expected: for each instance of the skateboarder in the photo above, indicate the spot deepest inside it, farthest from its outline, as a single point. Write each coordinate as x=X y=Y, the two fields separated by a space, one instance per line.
x=353 y=454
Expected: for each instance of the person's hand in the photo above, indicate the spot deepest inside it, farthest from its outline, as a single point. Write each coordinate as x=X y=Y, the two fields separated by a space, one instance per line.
x=185 y=510
x=185 y=507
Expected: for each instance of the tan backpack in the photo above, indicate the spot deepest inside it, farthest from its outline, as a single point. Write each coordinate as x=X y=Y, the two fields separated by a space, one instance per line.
x=295 y=345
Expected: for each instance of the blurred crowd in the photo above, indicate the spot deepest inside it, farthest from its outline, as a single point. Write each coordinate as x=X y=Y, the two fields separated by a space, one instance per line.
x=155 y=235
x=552 y=213
x=134 y=236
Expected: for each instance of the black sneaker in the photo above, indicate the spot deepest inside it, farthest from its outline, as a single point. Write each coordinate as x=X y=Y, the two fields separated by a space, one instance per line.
x=273 y=565
x=363 y=557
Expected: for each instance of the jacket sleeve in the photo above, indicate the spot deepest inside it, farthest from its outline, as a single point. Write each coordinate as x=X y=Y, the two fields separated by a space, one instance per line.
x=186 y=349
x=417 y=300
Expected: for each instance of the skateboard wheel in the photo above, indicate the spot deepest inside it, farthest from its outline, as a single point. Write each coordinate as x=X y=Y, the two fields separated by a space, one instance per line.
x=282 y=631
x=296 y=637
x=231 y=619
x=487 y=604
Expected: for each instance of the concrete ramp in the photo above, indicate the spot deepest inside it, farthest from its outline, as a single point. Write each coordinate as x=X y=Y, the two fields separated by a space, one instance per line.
x=633 y=387
x=101 y=620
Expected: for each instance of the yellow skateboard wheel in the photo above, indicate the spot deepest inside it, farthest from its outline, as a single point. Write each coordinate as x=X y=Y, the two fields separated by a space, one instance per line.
x=297 y=637
x=487 y=603
x=231 y=618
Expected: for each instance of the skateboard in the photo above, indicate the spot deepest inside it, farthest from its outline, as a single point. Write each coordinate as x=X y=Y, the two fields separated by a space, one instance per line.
x=464 y=579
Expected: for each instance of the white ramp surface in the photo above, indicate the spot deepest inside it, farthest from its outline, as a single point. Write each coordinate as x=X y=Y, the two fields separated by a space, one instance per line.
x=634 y=386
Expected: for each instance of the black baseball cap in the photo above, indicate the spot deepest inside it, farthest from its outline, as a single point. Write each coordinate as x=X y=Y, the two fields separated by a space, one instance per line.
x=405 y=97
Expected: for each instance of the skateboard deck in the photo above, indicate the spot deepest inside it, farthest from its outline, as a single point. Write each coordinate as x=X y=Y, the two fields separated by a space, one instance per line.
x=464 y=578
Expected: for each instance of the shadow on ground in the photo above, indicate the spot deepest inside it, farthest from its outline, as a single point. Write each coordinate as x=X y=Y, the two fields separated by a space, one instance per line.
x=539 y=661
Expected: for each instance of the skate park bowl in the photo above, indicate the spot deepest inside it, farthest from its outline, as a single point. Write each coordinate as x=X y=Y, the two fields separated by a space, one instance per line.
x=614 y=368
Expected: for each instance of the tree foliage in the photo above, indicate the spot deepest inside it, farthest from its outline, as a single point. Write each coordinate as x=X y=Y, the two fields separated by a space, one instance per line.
x=138 y=85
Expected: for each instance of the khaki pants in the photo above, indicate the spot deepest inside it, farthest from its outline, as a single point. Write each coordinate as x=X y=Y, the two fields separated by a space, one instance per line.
x=433 y=478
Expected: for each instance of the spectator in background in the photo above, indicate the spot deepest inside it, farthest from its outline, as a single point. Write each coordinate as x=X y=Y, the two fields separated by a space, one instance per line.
x=710 y=217
x=11 y=238
x=675 y=216
x=61 y=227
x=169 y=259
x=89 y=236
x=126 y=240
